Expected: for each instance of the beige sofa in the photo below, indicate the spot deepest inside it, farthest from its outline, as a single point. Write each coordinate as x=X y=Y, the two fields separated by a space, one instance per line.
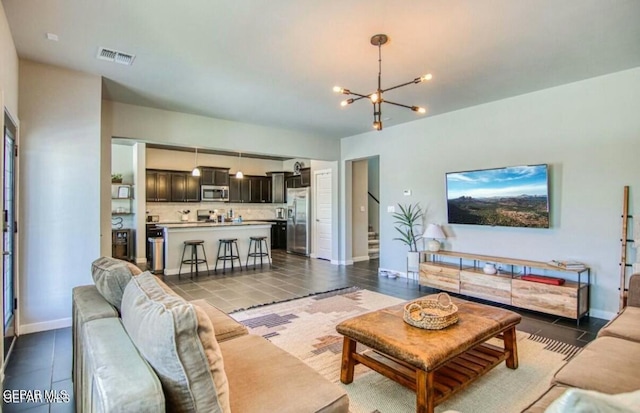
x=610 y=364
x=116 y=342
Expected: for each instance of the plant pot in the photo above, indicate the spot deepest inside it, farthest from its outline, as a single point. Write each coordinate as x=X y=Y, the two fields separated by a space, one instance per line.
x=184 y=217
x=413 y=261
x=116 y=181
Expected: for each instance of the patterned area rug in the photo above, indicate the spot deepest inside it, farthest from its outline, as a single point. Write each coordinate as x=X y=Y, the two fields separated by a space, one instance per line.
x=306 y=329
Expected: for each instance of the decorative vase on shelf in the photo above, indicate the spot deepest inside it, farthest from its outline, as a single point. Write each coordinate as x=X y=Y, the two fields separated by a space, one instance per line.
x=489 y=268
x=184 y=217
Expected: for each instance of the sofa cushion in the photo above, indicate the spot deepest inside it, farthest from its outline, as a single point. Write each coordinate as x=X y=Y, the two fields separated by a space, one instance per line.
x=286 y=384
x=578 y=400
x=541 y=404
x=608 y=365
x=225 y=327
x=178 y=342
x=626 y=325
x=111 y=276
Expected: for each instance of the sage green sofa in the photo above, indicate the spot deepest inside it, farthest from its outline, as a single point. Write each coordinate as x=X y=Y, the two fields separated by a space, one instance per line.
x=609 y=365
x=114 y=345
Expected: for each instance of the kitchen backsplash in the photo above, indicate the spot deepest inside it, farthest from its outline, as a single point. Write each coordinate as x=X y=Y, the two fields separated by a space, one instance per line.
x=169 y=212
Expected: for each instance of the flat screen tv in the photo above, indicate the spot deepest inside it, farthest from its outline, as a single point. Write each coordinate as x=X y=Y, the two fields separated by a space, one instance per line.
x=516 y=196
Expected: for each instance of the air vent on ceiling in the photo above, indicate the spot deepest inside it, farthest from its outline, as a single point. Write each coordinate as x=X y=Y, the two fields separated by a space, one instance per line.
x=116 y=56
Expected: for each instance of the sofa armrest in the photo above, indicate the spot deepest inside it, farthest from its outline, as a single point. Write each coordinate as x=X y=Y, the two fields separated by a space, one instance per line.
x=633 y=298
x=115 y=377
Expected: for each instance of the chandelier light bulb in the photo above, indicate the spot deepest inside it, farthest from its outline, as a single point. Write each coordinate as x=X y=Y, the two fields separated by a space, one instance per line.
x=377 y=125
x=419 y=109
x=346 y=102
x=374 y=97
x=426 y=77
x=337 y=89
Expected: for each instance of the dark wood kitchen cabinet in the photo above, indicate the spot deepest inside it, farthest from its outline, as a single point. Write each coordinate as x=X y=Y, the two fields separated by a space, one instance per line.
x=239 y=189
x=279 y=235
x=305 y=177
x=214 y=176
x=250 y=189
x=158 y=186
x=278 y=189
x=185 y=187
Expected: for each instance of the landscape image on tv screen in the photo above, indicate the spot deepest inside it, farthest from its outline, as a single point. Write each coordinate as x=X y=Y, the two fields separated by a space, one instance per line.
x=510 y=197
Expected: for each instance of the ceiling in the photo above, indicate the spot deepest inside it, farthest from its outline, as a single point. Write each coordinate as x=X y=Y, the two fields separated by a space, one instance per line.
x=274 y=63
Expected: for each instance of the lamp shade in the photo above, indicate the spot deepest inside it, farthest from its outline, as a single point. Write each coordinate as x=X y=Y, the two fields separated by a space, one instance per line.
x=434 y=231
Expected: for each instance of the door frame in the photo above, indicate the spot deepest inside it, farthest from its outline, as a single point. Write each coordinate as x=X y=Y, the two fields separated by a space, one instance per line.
x=16 y=252
x=314 y=247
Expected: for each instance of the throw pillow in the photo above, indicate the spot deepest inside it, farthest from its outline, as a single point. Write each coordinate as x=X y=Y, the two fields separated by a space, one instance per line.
x=589 y=401
x=176 y=340
x=111 y=276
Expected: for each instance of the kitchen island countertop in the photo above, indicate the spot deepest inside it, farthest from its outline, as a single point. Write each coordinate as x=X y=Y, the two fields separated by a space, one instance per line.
x=202 y=224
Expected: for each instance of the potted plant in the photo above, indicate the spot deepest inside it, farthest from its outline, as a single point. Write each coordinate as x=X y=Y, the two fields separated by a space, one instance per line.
x=409 y=217
x=184 y=214
x=116 y=178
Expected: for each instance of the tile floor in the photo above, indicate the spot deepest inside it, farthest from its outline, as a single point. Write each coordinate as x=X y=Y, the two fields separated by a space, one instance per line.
x=43 y=360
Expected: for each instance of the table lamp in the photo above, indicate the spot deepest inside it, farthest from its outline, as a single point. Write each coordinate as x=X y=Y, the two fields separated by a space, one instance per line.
x=434 y=232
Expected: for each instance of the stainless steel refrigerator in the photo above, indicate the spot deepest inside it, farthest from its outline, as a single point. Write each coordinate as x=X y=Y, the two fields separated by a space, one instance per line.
x=298 y=220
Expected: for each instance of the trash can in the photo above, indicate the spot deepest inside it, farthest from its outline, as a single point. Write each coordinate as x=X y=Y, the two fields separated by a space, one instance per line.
x=156 y=263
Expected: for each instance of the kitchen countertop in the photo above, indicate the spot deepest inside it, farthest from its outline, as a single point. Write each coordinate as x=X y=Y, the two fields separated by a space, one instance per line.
x=201 y=224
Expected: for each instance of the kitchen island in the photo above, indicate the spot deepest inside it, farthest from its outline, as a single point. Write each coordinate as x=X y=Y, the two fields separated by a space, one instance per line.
x=210 y=232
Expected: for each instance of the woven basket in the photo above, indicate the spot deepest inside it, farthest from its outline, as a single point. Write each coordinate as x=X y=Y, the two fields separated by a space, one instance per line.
x=431 y=314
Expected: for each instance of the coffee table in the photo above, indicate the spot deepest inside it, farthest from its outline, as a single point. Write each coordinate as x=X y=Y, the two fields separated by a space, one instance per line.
x=436 y=364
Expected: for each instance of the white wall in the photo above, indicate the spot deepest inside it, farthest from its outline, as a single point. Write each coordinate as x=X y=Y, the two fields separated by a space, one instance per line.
x=8 y=67
x=60 y=181
x=359 y=208
x=185 y=161
x=8 y=100
x=588 y=131
x=181 y=129
x=374 y=188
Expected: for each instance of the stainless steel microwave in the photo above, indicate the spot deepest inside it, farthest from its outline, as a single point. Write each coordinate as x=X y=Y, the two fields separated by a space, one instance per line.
x=214 y=193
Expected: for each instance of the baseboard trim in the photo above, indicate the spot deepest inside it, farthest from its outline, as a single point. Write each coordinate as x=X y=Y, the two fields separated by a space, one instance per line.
x=342 y=262
x=362 y=258
x=45 y=326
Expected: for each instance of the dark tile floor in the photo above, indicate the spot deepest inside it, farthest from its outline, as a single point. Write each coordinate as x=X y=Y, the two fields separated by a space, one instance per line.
x=43 y=360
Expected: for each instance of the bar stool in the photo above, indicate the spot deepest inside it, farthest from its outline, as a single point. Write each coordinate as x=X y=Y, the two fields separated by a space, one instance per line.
x=227 y=254
x=257 y=244
x=194 y=260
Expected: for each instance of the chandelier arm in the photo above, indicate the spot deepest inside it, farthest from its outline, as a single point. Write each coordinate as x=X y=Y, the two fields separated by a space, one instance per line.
x=360 y=96
x=398 y=104
x=401 y=85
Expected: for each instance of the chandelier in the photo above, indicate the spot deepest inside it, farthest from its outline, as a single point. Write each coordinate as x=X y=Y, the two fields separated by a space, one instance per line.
x=377 y=96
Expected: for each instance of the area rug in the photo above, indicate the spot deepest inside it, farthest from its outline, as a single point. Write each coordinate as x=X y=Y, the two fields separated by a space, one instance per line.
x=306 y=328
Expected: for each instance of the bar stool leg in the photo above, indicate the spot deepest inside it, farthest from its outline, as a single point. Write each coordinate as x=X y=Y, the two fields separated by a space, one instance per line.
x=246 y=264
x=184 y=247
x=238 y=255
x=194 y=257
x=260 y=242
x=204 y=254
x=215 y=268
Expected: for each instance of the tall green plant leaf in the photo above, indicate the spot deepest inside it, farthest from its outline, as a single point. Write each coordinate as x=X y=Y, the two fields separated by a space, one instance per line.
x=407 y=219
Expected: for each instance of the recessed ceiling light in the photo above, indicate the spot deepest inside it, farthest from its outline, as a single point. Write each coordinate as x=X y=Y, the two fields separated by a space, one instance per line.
x=52 y=37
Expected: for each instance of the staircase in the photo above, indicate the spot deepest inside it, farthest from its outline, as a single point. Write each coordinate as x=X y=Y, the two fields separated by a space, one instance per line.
x=374 y=245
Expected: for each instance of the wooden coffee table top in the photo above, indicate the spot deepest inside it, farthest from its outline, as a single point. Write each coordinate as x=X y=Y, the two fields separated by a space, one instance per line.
x=385 y=330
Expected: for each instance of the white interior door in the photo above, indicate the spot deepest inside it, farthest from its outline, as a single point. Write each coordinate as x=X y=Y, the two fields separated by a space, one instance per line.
x=323 y=221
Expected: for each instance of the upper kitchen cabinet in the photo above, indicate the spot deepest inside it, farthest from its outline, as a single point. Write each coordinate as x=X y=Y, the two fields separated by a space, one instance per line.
x=250 y=189
x=185 y=187
x=158 y=186
x=278 y=193
x=214 y=176
x=305 y=177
